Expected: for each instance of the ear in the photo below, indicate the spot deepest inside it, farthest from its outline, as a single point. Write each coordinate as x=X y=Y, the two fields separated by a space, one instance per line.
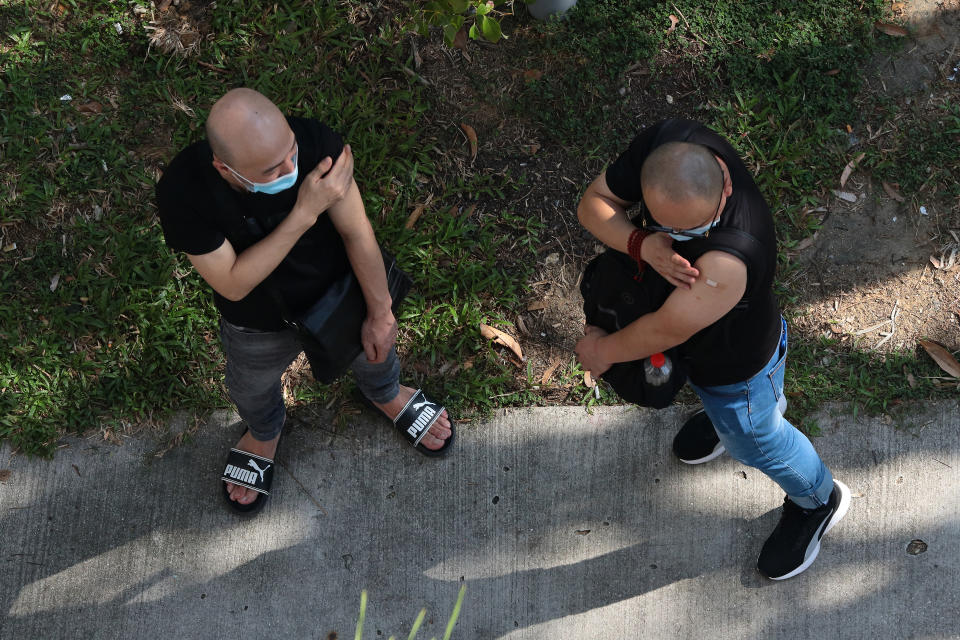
x=223 y=170
x=727 y=182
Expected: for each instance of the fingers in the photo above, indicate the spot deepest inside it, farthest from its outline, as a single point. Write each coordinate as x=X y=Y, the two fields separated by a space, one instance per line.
x=370 y=350
x=322 y=167
x=680 y=284
x=344 y=165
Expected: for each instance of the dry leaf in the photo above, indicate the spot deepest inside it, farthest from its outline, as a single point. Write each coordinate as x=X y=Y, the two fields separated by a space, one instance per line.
x=805 y=243
x=460 y=40
x=530 y=149
x=545 y=378
x=588 y=380
x=412 y=220
x=522 y=325
x=491 y=333
x=90 y=107
x=163 y=5
x=845 y=195
x=894 y=30
x=582 y=532
x=942 y=357
x=472 y=137
x=893 y=192
x=910 y=379
x=537 y=305
x=898 y=6
x=531 y=75
x=673 y=23
x=832 y=72
x=4 y=475
x=847 y=170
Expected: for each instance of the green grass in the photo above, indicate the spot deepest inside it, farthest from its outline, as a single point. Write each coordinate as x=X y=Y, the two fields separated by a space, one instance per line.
x=130 y=333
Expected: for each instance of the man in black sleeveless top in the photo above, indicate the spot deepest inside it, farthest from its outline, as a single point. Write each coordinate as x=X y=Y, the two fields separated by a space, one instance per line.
x=722 y=314
x=267 y=196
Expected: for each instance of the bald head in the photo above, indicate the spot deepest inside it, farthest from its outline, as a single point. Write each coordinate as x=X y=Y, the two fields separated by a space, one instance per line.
x=682 y=183
x=245 y=129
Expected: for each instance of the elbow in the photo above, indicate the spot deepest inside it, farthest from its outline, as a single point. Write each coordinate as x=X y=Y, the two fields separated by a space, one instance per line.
x=584 y=214
x=234 y=294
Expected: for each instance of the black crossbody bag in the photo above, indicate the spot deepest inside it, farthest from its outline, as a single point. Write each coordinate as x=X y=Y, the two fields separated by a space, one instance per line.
x=331 y=326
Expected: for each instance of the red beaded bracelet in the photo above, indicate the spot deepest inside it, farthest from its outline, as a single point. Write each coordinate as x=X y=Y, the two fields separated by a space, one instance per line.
x=633 y=246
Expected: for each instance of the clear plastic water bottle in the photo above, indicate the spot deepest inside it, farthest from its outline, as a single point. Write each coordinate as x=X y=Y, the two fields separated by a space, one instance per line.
x=657 y=369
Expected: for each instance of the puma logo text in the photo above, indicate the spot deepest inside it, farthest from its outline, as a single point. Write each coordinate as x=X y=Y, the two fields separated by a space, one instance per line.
x=240 y=474
x=422 y=420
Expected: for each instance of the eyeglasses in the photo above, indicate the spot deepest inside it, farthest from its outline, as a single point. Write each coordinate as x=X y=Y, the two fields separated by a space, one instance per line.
x=695 y=231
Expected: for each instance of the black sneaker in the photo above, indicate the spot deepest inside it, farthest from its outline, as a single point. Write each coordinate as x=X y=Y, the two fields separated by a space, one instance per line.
x=697 y=441
x=795 y=543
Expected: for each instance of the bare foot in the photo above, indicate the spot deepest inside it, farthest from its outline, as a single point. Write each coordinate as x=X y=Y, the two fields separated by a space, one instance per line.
x=249 y=444
x=439 y=430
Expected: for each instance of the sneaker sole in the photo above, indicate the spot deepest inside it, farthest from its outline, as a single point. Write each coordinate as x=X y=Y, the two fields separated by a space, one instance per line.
x=837 y=516
x=716 y=453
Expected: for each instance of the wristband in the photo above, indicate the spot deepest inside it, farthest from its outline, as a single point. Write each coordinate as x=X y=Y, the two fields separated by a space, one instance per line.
x=633 y=247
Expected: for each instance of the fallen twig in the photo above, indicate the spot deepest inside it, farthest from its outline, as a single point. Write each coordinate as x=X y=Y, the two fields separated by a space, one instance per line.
x=869 y=329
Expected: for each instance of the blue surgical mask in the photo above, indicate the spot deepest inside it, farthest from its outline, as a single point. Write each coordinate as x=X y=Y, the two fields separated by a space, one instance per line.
x=282 y=183
x=699 y=231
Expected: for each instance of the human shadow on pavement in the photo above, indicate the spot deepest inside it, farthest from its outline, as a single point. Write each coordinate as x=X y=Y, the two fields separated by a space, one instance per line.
x=115 y=541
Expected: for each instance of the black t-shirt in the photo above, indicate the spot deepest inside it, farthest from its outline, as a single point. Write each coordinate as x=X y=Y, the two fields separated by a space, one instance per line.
x=739 y=344
x=199 y=209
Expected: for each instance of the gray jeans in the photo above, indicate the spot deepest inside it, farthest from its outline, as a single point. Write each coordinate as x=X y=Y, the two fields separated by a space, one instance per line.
x=256 y=360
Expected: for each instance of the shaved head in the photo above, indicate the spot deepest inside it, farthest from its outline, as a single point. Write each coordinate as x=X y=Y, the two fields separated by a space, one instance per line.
x=245 y=129
x=681 y=182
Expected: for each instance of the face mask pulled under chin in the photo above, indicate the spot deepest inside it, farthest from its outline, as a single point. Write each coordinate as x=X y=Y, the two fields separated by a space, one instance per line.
x=273 y=187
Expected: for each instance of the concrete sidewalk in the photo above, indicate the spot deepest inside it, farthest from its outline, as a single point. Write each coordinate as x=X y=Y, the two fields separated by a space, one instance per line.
x=562 y=524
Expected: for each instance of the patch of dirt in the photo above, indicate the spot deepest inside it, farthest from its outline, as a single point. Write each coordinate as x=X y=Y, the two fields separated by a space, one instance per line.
x=868 y=278
x=882 y=273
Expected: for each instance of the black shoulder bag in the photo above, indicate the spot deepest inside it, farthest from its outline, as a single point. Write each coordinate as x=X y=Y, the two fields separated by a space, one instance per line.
x=615 y=293
x=331 y=326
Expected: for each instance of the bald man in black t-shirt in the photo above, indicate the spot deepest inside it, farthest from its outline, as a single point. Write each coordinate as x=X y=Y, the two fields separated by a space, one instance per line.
x=268 y=213
x=722 y=316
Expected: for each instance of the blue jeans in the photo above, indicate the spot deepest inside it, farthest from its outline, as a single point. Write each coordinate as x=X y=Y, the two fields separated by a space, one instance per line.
x=257 y=359
x=749 y=420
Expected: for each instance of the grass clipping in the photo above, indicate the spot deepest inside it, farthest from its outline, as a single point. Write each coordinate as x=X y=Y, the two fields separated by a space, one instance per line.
x=173 y=34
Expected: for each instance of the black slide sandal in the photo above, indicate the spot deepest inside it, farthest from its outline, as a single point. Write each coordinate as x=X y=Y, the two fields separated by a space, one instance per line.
x=250 y=471
x=416 y=418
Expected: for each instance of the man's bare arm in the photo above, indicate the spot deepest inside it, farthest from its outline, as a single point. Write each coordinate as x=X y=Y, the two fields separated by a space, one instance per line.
x=379 y=331
x=605 y=215
x=235 y=276
x=721 y=286
x=350 y=220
